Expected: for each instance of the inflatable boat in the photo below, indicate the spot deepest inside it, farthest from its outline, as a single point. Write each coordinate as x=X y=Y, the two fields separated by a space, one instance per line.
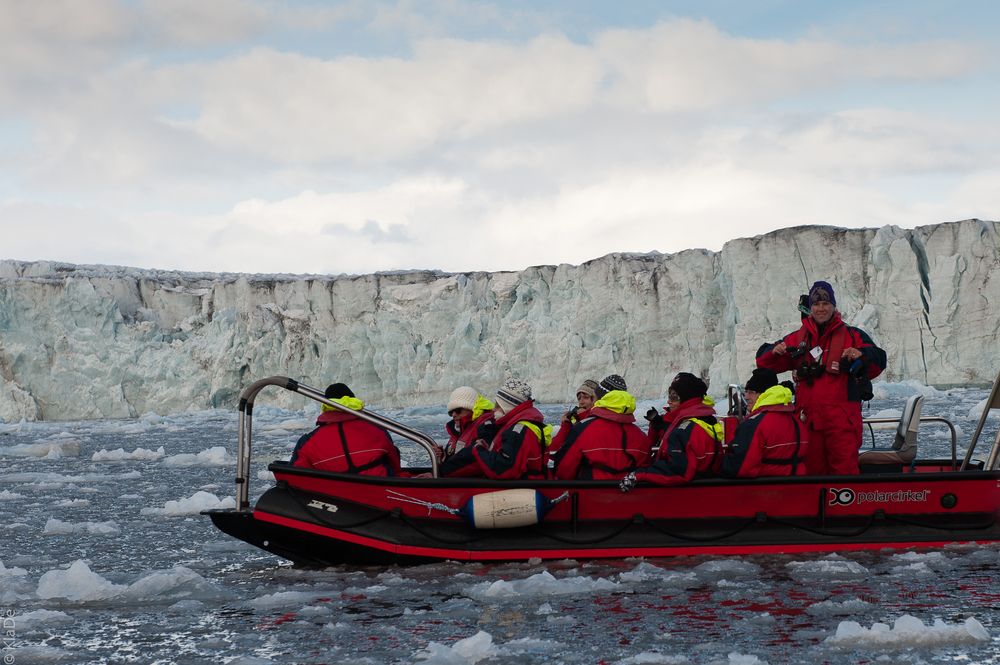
x=318 y=518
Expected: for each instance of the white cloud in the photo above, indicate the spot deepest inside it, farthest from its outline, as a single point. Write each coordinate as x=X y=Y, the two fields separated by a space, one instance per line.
x=459 y=154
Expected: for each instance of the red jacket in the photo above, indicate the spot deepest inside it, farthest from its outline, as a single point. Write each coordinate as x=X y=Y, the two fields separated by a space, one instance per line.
x=686 y=449
x=461 y=436
x=606 y=445
x=344 y=443
x=771 y=442
x=514 y=450
x=833 y=385
x=560 y=438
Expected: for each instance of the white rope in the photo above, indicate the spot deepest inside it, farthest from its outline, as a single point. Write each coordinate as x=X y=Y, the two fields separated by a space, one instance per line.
x=392 y=494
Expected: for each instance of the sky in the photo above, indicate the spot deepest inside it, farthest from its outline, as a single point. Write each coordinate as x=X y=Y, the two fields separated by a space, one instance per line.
x=361 y=136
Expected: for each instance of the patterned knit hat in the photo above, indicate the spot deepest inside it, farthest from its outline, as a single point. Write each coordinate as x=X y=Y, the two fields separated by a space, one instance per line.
x=609 y=383
x=588 y=387
x=513 y=392
x=821 y=291
x=462 y=398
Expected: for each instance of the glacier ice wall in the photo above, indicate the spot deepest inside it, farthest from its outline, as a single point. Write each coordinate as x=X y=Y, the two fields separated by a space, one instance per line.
x=81 y=342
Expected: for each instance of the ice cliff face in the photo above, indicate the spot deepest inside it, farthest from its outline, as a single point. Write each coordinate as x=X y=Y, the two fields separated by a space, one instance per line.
x=105 y=342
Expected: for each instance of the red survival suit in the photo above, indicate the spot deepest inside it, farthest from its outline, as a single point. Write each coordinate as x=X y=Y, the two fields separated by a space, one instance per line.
x=687 y=448
x=463 y=433
x=344 y=443
x=605 y=445
x=514 y=450
x=772 y=441
x=560 y=437
x=826 y=394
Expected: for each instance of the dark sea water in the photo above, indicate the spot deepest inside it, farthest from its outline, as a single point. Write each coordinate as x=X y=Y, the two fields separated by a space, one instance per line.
x=106 y=559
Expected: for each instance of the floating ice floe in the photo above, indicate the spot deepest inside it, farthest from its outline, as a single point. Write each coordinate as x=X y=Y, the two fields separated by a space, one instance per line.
x=726 y=568
x=832 y=568
x=12 y=571
x=904 y=389
x=33 y=620
x=54 y=527
x=653 y=658
x=79 y=584
x=43 y=449
x=215 y=456
x=76 y=583
x=59 y=478
x=908 y=631
x=192 y=505
x=541 y=584
x=72 y=503
x=469 y=650
x=850 y=606
x=7 y=495
x=646 y=572
x=976 y=412
x=119 y=454
x=283 y=599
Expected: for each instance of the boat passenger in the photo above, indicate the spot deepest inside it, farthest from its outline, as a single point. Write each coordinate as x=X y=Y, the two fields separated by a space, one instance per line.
x=772 y=441
x=834 y=364
x=468 y=410
x=508 y=448
x=691 y=443
x=344 y=443
x=605 y=445
x=585 y=396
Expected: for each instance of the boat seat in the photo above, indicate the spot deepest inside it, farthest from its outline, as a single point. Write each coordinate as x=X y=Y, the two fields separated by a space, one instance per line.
x=904 y=446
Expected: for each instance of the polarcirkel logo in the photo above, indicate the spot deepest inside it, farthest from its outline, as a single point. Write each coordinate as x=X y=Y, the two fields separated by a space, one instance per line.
x=847 y=496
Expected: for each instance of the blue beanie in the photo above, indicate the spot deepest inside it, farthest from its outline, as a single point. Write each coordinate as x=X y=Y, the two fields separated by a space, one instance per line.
x=821 y=291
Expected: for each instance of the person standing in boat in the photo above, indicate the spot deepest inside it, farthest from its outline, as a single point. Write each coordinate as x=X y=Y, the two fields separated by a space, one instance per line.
x=468 y=410
x=772 y=441
x=691 y=443
x=585 y=396
x=834 y=364
x=607 y=443
x=508 y=448
x=344 y=443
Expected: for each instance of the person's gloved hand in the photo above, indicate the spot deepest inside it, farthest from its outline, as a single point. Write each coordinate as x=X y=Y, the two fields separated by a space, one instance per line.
x=627 y=483
x=654 y=417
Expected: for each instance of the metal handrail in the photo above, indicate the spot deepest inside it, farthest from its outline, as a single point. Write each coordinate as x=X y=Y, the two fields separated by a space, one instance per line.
x=247 y=398
x=923 y=419
x=992 y=402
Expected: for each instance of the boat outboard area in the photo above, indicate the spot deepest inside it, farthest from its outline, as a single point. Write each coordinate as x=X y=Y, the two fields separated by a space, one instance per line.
x=902 y=498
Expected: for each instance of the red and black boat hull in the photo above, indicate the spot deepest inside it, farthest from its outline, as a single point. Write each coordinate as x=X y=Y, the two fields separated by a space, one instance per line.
x=318 y=518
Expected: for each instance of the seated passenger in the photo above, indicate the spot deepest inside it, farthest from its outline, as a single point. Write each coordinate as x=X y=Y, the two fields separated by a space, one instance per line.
x=468 y=410
x=772 y=441
x=344 y=443
x=691 y=443
x=605 y=445
x=510 y=447
x=585 y=396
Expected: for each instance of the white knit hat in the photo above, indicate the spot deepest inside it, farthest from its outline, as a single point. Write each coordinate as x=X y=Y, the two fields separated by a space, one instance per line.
x=463 y=397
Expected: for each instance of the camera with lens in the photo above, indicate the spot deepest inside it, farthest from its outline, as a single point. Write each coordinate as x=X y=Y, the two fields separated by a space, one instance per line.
x=798 y=351
x=809 y=371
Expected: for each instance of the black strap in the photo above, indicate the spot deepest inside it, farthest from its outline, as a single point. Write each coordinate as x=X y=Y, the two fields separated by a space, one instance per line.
x=795 y=459
x=351 y=468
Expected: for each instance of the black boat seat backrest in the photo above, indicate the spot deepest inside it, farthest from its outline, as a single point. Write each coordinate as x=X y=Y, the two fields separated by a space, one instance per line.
x=904 y=445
